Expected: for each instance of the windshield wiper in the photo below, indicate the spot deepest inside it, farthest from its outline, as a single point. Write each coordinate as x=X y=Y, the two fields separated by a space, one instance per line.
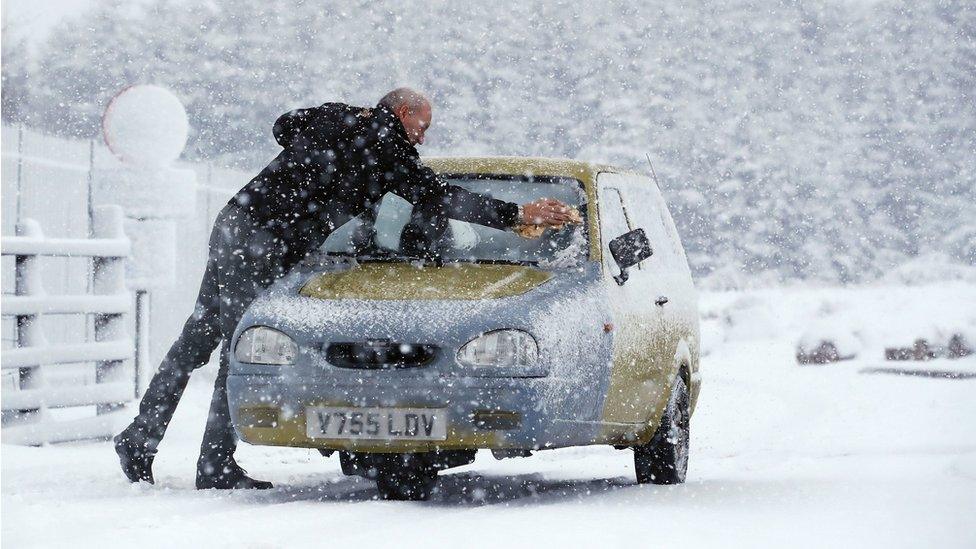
x=383 y=255
x=390 y=256
x=503 y=261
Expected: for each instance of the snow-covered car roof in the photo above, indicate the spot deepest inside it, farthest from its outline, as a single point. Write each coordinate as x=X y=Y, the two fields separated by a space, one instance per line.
x=519 y=165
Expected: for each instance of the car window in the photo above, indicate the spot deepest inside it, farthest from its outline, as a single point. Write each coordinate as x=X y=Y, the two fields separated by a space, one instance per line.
x=461 y=241
x=613 y=219
x=654 y=218
x=670 y=228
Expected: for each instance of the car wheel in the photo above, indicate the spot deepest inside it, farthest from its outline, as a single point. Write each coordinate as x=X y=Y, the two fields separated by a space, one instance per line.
x=664 y=460
x=406 y=483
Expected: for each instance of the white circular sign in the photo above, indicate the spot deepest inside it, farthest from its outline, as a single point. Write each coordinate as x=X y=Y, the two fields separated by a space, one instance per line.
x=145 y=125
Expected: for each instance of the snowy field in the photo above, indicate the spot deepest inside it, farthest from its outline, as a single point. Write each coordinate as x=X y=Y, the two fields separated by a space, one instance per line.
x=782 y=455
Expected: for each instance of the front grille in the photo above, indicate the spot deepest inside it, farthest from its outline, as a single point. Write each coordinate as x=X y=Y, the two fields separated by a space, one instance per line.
x=379 y=354
x=496 y=419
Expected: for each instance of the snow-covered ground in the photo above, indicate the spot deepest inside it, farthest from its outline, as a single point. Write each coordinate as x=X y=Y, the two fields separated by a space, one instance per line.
x=782 y=455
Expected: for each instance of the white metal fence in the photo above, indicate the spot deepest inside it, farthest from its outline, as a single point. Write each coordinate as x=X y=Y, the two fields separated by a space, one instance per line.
x=31 y=369
x=49 y=180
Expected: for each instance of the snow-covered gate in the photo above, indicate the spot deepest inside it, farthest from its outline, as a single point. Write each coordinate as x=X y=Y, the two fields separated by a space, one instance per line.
x=49 y=179
x=31 y=389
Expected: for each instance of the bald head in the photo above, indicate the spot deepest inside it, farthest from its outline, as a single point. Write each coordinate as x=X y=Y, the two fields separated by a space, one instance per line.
x=408 y=97
x=413 y=110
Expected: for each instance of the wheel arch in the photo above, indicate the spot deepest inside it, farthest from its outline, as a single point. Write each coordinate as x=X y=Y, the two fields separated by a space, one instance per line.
x=682 y=361
x=685 y=366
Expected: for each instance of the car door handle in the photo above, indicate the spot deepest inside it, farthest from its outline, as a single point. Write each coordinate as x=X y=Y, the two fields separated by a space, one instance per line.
x=660 y=301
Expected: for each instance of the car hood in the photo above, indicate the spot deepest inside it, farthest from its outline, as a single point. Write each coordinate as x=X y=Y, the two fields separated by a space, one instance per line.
x=404 y=281
x=565 y=310
x=324 y=301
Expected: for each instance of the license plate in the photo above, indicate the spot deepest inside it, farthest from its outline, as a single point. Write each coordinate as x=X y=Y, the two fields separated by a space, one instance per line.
x=376 y=423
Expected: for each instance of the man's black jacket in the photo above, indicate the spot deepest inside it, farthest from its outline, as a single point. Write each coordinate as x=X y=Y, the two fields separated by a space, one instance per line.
x=338 y=161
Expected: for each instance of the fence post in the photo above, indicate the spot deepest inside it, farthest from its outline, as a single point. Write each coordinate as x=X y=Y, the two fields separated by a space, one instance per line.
x=108 y=278
x=20 y=173
x=30 y=331
x=143 y=373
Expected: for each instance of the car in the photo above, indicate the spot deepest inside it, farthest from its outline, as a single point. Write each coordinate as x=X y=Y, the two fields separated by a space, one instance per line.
x=408 y=364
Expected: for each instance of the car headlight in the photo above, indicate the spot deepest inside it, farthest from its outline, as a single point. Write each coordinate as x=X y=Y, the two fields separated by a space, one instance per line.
x=263 y=345
x=500 y=348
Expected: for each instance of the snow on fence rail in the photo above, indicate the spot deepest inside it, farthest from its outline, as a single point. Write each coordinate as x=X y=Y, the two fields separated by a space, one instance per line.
x=28 y=394
x=51 y=179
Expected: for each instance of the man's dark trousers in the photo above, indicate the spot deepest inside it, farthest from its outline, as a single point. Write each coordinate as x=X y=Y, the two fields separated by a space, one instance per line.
x=244 y=260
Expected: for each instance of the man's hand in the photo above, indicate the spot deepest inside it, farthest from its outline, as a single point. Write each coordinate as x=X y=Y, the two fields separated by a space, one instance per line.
x=547 y=212
x=543 y=214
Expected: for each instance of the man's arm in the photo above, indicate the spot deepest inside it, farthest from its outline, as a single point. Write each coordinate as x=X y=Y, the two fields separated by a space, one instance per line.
x=435 y=197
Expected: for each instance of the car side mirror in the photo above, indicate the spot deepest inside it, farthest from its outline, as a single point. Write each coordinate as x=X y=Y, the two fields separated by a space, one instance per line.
x=628 y=250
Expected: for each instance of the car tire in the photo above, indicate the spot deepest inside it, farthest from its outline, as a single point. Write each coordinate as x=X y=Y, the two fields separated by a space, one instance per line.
x=406 y=483
x=664 y=459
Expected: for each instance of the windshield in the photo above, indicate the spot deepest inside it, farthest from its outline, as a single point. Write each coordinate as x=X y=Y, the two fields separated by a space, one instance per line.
x=468 y=241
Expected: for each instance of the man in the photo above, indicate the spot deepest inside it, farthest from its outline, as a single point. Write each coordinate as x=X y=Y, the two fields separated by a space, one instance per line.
x=338 y=162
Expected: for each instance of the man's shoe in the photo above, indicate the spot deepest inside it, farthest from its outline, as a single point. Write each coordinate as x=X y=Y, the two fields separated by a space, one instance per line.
x=135 y=458
x=229 y=477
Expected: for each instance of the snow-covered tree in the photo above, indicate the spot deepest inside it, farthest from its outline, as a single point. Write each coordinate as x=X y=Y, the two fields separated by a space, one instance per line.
x=826 y=140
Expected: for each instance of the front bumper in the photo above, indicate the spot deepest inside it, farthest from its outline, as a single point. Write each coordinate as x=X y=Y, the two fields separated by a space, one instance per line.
x=491 y=413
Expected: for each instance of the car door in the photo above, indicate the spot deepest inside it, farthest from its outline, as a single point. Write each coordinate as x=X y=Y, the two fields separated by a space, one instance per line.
x=662 y=267
x=669 y=266
x=635 y=382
